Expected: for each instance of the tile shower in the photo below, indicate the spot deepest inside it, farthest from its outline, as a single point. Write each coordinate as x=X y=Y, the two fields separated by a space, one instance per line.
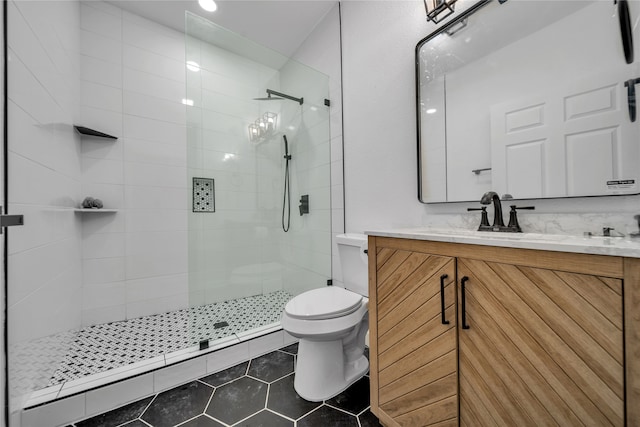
x=151 y=276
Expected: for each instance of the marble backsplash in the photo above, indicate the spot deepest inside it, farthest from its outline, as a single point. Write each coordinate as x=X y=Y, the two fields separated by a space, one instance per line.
x=572 y=216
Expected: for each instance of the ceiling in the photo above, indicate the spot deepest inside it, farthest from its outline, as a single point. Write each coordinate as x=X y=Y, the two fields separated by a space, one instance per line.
x=279 y=25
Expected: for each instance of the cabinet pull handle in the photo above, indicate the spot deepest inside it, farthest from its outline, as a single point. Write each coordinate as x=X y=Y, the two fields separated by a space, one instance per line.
x=444 y=319
x=464 y=303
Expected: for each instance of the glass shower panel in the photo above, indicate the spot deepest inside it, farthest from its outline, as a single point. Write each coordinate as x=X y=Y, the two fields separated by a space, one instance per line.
x=243 y=266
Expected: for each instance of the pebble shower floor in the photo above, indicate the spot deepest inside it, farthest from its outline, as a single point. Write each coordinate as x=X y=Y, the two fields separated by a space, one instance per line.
x=98 y=348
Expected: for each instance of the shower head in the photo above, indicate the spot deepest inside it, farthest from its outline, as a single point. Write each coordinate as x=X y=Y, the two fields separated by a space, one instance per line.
x=268 y=98
x=279 y=96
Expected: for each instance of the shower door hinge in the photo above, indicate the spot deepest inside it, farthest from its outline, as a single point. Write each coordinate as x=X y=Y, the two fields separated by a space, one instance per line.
x=10 y=220
x=327 y=102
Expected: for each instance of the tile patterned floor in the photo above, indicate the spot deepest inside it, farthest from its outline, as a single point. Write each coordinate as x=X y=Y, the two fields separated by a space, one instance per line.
x=253 y=394
x=98 y=348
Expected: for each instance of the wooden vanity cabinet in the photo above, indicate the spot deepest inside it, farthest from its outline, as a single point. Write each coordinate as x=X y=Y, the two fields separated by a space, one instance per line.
x=544 y=343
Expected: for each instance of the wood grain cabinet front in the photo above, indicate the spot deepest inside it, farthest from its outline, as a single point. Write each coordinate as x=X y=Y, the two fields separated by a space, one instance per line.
x=459 y=337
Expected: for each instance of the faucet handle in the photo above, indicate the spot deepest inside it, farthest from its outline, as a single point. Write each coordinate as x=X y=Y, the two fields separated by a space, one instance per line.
x=513 y=217
x=484 y=220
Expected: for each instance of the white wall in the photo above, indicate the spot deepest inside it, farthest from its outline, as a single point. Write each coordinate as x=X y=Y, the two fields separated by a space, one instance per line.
x=133 y=83
x=380 y=135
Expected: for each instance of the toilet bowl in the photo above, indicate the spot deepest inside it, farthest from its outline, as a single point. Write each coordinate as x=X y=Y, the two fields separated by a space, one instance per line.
x=331 y=323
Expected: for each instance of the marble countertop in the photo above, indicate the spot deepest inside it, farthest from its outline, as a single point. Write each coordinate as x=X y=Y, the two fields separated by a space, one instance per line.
x=598 y=245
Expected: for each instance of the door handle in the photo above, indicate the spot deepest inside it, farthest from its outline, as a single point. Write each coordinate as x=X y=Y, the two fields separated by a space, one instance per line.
x=442 y=307
x=10 y=220
x=631 y=97
x=463 y=282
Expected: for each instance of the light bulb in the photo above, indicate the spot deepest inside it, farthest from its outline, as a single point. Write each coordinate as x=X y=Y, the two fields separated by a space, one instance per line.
x=208 y=5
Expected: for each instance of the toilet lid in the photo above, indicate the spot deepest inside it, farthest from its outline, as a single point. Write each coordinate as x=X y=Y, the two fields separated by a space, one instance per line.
x=323 y=303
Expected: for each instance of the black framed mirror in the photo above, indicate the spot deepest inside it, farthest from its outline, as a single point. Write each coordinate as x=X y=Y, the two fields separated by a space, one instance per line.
x=529 y=99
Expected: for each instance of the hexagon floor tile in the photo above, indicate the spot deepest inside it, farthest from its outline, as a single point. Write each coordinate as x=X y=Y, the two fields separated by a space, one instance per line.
x=252 y=394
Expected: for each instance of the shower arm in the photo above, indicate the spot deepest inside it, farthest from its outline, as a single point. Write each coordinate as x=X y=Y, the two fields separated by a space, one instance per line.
x=284 y=95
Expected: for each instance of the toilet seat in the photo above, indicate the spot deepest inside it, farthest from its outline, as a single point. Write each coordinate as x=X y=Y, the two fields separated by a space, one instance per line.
x=323 y=303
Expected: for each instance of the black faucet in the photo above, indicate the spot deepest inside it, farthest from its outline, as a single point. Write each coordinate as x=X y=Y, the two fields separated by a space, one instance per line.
x=492 y=196
x=498 y=223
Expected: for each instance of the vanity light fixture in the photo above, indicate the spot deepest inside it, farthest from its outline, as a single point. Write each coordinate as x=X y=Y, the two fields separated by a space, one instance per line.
x=254 y=132
x=208 y=5
x=263 y=127
x=437 y=10
x=270 y=120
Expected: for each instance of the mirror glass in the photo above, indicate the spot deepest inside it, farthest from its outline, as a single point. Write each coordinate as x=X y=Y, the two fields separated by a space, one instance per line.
x=531 y=99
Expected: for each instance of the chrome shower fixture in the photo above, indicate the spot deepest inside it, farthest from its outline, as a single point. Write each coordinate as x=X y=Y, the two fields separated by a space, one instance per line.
x=279 y=96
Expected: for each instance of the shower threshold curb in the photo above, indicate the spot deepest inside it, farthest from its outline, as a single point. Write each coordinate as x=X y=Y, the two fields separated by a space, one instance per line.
x=96 y=381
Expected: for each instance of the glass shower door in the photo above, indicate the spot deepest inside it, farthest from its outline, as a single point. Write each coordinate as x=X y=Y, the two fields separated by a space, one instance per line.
x=258 y=144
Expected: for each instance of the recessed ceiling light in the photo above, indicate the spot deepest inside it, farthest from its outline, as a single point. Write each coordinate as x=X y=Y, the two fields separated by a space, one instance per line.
x=431 y=111
x=208 y=5
x=188 y=102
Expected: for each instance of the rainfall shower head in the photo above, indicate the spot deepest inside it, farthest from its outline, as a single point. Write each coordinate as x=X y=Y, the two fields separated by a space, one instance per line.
x=268 y=98
x=279 y=96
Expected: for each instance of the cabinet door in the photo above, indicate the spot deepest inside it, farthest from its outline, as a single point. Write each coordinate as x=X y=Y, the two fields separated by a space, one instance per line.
x=416 y=338
x=543 y=347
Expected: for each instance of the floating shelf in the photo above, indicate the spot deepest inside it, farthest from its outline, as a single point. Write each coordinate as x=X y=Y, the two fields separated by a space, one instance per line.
x=90 y=132
x=95 y=211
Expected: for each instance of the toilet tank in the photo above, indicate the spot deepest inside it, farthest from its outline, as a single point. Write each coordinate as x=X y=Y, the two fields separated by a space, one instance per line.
x=353 y=261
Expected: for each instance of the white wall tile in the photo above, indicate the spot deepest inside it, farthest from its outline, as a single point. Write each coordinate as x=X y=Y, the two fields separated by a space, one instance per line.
x=100 y=47
x=101 y=22
x=107 y=398
x=102 y=270
x=99 y=148
x=105 y=7
x=103 y=245
x=27 y=92
x=25 y=184
x=56 y=413
x=157 y=305
x=173 y=376
x=152 y=37
x=153 y=85
x=140 y=105
x=102 y=171
x=103 y=295
x=33 y=268
x=56 y=300
x=99 y=71
x=140 y=151
x=149 y=175
x=227 y=357
x=101 y=96
x=266 y=344
x=96 y=316
x=145 y=198
x=156 y=220
x=153 y=63
x=156 y=254
x=154 y=130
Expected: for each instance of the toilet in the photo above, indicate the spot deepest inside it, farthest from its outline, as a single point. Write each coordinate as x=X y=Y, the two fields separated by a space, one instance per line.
x=331 y=323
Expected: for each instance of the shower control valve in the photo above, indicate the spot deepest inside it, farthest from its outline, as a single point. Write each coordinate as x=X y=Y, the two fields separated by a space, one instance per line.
x=304 y=204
